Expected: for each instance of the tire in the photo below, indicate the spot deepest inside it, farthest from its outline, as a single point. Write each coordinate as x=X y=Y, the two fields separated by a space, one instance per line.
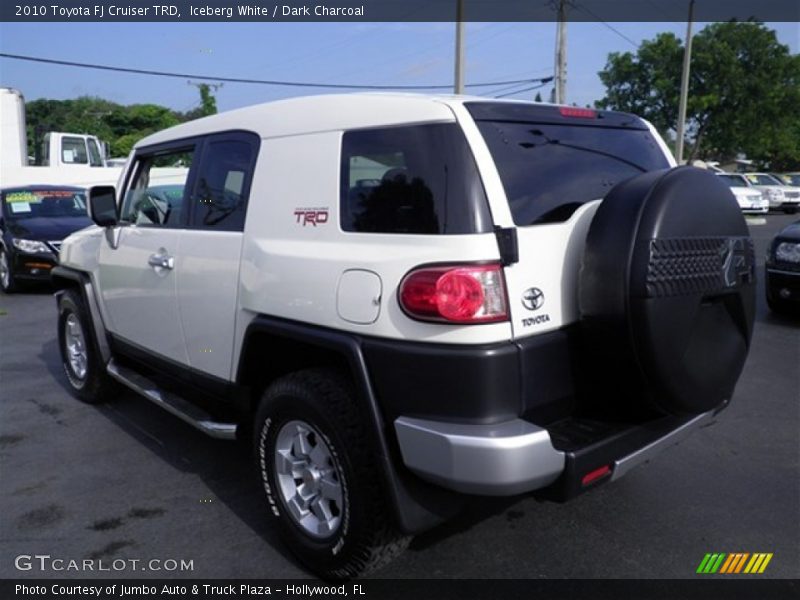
x=8 y=282
x=790 y=210
x=85 y=371
x=667 y=283
x=348 y=529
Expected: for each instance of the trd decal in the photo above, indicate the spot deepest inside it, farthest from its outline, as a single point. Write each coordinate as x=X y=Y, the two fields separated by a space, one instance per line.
x=311 y=216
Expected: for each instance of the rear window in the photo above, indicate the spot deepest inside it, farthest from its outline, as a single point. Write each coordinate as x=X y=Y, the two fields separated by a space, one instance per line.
x=551 y=164
x=419 y=179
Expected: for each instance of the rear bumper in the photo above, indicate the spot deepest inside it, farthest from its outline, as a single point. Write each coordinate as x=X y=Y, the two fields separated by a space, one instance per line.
x=517 y=456
x=495 y=460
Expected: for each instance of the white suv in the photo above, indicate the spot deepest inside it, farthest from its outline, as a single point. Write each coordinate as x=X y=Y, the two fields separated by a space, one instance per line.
x=404 y=300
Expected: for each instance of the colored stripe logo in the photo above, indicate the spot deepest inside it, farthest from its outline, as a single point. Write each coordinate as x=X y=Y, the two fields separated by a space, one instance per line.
x=733 y=563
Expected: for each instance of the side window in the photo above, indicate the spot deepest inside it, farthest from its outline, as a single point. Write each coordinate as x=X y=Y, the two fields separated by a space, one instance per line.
x=223 y=179
x=419 y=179
x=155 y=196
x=95 y=158
x=73 y=150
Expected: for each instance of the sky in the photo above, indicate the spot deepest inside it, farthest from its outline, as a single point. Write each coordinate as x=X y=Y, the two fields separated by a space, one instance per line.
x=356 y=53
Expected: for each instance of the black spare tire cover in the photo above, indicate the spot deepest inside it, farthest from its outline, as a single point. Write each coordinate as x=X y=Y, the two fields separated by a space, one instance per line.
x=667 y=289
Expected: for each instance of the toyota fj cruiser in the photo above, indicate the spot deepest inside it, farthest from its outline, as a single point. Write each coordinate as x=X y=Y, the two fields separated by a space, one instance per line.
x=405 y=300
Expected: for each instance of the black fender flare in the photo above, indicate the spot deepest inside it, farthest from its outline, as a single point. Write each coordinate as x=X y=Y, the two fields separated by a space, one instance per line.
x=418 y=505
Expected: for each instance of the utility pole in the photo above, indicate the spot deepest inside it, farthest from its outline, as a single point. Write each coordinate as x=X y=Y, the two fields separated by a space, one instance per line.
x=560 y=89
x=458 y=88
x=687 y=60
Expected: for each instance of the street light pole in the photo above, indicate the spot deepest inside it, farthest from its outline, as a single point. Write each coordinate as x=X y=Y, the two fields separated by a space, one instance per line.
x=458 y=88
x=687 y=60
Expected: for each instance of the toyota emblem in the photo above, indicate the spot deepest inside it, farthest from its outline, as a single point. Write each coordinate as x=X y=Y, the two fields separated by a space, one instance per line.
x=533 y=298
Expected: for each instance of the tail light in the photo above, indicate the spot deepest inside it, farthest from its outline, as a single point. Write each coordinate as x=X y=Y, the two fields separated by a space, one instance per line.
x=455 y=294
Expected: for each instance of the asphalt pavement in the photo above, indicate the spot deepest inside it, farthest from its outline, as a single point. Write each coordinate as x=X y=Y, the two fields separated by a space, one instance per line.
x=129 y=481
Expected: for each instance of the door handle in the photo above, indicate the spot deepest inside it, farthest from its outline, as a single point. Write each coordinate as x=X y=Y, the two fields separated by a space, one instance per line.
x=163 y=261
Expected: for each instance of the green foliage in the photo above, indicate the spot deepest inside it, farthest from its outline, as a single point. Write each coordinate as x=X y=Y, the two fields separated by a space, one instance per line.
x=120 y=126
x=744 y=92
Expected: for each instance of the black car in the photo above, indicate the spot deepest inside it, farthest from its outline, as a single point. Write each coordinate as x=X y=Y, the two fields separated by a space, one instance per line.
x=783 y=270
x=33 y=221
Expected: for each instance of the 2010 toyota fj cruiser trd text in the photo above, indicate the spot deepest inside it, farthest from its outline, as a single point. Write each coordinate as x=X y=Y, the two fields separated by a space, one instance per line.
x=403 y=300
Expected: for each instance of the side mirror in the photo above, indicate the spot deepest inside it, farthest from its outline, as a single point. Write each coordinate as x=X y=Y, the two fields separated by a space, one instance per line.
x=103 y=205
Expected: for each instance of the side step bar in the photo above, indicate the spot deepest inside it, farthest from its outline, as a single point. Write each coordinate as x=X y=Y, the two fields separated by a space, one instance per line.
x=193 y=415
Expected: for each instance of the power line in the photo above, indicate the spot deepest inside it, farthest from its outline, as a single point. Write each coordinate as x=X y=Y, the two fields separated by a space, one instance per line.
x=303 y=84
x=527 y=89
x=599 y=20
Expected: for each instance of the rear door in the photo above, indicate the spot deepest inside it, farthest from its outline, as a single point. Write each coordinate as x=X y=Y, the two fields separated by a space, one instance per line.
x=137 y=273
x=555 y=163
x=210 y=250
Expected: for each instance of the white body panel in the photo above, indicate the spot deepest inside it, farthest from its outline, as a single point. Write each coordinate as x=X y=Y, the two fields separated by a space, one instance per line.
x=207 y=270
x=141 y=300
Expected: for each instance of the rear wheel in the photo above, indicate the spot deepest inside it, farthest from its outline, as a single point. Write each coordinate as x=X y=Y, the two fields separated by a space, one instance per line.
x=80 y=358
x=319 y=470
x=8 y=282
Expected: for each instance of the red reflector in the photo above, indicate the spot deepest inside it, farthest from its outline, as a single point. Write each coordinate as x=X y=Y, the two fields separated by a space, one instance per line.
x=580 y=113
x=593 y=476
x=458 y=294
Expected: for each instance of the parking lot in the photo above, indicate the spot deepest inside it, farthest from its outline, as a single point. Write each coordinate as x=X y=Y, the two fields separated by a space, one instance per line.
x=127 y=480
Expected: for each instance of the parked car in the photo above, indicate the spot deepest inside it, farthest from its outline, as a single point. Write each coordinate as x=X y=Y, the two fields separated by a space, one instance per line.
x=750 y=199
x=792 y=179
x=780 y=196
x=34 y=221
x=405 y=301
x=783 y=270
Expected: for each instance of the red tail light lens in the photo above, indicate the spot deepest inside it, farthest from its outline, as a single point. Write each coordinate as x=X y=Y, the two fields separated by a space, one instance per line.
x=580 y=113
x=457 y=294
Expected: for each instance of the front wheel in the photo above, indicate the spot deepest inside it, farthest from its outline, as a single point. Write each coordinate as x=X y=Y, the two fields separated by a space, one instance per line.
x=80 y=358
x=8 y=282
x=319 y=469
x=790 y=210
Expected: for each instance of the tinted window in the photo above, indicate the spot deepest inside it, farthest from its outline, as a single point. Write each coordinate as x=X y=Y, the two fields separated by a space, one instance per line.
x=155 y=196
x=27 y=204
x=220 y=198
x=552 y=165
x=420 y=179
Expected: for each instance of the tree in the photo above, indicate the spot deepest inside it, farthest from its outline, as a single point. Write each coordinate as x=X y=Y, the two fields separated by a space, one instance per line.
x=744 y=92
x=121 y=126
x=208 y=103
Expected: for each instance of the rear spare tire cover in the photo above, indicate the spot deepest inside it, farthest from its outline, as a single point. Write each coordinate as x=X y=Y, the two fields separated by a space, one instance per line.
x=667 y=289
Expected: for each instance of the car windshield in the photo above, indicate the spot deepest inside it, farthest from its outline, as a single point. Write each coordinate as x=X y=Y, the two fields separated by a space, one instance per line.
x=550 y=164
x=33 y=203
x=762 y=179
x=733 y=180
x=791 y=178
